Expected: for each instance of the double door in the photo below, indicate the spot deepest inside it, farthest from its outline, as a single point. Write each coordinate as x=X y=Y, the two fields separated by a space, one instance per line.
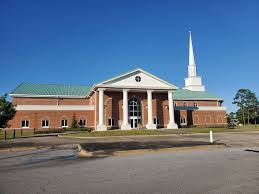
x=134 y=121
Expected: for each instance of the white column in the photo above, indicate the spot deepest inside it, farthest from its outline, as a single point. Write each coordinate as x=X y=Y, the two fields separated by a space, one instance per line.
x=171 y=124
x=125 y=125
x=101 y=126
x=150 y=124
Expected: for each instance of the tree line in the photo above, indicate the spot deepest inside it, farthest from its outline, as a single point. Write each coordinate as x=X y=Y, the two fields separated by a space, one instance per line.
x=248 y=104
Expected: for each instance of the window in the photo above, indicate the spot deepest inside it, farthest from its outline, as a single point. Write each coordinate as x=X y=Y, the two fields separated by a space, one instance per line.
x=183 y=120
x=111 y=122
x=175 y=104
x=45 y=123
x=220 y=103
x=185 y=104
x=138 y=78
x=156 y=121
x=195 y=104
x=25 y=124
x=64 y=123
x=134 y=107
x=82 y=123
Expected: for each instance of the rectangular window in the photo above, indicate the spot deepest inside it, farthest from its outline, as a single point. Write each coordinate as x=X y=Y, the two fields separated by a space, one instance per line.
x=111 y=122
x=25 y=124
x=82 y=122
x=64 y=123
x=45 y=124
x=195 y=104
x=183 y=120
x=156 y=121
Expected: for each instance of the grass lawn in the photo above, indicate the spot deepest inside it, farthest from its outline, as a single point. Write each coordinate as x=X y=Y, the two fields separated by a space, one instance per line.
x=10 y=134
x=162 y=131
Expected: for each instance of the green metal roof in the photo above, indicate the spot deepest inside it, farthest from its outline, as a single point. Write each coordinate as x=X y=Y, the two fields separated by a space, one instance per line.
x=50 y=90
x=187 y=94
x=72 y=90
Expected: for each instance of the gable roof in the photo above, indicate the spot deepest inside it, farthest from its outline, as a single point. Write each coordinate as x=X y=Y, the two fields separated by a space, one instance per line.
x=51 y=90
x=138 y=70
x=184 y=94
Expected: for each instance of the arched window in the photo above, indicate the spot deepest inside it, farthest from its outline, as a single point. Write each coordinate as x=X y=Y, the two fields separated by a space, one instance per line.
x=45 y=123
x=64 y=123
x=82 y=122
x=25 y=123
x=134 y=107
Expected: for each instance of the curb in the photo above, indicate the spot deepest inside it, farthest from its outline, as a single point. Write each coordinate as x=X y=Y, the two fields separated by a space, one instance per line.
x=99 y=137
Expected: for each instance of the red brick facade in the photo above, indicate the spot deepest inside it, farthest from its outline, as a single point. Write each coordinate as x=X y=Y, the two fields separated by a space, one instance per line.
x=185 y=111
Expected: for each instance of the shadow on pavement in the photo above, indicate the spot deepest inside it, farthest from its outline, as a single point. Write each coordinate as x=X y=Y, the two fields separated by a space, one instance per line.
x=249 y=150
x=136 y=145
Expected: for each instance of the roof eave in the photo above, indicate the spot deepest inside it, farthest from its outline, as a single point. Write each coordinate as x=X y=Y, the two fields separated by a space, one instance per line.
x=219 y=99
x=46 y=96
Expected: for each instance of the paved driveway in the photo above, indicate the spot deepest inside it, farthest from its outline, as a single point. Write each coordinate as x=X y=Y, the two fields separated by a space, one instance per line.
x=224 y=170
x=231 y=139
x=55 y=168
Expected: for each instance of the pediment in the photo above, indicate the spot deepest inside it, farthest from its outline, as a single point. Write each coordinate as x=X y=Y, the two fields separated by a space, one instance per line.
x=137 y=79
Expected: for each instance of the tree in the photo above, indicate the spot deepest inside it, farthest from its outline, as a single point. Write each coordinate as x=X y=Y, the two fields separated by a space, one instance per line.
x=231 y=116
x=240 y=100
x=248 y=103
x=251 y=105
x=74 y=122
x=7 y=111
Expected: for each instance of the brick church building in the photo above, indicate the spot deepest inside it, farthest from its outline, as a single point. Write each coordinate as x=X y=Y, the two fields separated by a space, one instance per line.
x=136 y=99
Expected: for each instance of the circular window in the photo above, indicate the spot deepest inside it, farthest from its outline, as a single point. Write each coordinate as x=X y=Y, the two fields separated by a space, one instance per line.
x=138 y=78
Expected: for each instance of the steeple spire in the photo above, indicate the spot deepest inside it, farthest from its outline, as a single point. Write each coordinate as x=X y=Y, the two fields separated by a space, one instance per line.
x=191 y=54
x=193 y=82
x=192 y=65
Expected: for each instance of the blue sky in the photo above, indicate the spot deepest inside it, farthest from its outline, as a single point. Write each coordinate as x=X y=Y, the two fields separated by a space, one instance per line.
x=84 y=42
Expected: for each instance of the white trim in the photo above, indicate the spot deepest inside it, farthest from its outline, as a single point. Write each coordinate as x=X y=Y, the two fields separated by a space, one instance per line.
x=55 y=107
x=134 y=87
x=218 y=108
x=212 y=108
x=138 y=70
x=198 y=99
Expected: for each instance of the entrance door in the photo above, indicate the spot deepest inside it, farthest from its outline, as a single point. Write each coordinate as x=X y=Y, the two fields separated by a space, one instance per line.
x=134 y=112
x=133 y=122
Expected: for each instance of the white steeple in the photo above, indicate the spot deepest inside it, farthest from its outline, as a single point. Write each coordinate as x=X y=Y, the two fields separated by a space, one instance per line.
x=193 y=82
x=192 y=66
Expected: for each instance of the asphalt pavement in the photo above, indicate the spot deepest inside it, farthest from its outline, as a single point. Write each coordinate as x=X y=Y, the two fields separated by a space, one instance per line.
x=56 y=168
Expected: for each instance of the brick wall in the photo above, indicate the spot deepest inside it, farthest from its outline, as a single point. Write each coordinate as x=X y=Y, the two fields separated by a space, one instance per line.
x=35 y=118
x=113 y=109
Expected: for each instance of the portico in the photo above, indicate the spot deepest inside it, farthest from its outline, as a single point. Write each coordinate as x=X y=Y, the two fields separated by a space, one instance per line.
x=133 y=109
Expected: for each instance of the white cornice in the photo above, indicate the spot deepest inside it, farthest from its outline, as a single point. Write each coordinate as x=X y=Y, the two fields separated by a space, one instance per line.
x=54 y=107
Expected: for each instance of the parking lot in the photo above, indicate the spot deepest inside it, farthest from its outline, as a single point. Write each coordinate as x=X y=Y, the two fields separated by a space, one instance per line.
x=56 y=168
